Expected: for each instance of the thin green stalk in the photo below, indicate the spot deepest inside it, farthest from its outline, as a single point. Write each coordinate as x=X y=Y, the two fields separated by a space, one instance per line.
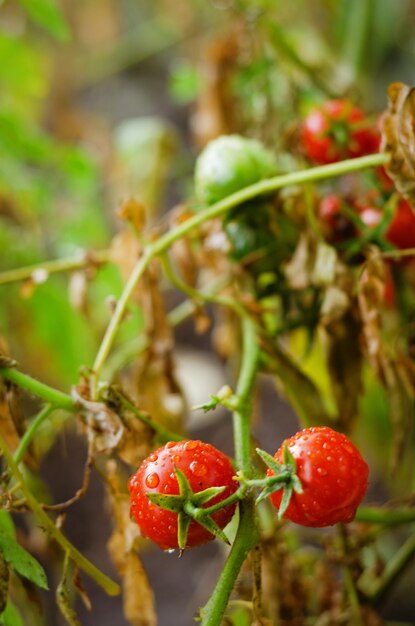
x=30 y=432
x=219 y=208
x=394 y=568
x=242 y=415
x=283 y=46
x=53 y=267
x=57 y=398
x=245 y=540
x=163 y=433
x=108 y=585
x=380 y=515
x=198 y=297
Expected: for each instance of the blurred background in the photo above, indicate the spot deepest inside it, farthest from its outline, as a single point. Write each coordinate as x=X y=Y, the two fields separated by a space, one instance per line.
x=106 y=102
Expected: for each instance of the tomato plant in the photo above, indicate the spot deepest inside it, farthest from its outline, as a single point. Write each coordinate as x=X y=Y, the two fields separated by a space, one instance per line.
x=265 y=221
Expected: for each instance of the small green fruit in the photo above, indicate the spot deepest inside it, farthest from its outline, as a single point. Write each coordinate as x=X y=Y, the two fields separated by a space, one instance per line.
x=230 y=163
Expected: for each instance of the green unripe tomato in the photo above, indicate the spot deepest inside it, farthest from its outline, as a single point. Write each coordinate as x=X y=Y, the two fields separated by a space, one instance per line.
x=230 y=163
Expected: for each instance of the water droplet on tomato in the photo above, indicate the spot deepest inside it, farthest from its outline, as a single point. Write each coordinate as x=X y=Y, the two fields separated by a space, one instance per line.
x=176 y=458
x=153 y=457
x=192 y=445
x=321 y=471
x=132 y=482
x=198 y=469
x=152 y=480
x=170 y=444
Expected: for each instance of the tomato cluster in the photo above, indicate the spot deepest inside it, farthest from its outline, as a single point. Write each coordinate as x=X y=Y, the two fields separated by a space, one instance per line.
x=332 y=475
x=337 y=130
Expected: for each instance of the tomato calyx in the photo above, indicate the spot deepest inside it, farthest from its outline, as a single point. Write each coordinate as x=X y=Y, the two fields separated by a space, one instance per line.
x=189 y=506
x=284 y=477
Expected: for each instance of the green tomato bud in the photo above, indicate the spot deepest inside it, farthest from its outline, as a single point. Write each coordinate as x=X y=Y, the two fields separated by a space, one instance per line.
x=230 y=163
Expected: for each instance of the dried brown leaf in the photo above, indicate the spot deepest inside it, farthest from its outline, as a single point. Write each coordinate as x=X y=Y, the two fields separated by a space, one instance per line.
x=299 y=270
x=78 y=291
x=398 y=138
x=215 y=109
x=104 y=427
x=78 y=584
x=138 y=597
x=133 y=211
x=136 y=442
x=344 y=361
x=125 y=251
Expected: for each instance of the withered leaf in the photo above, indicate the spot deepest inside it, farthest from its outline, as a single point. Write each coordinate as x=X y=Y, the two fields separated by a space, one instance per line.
x=344 y=360
x=398 y=138
x=78 y=291
x=133 y=210
x=104 y=427
x=138 y=597
x=136 y=442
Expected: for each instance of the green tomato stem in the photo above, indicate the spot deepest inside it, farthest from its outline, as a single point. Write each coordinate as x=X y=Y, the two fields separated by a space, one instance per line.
x=245 y=540
x=30 y=432
x=163 y=433
x=54 y=397
x=108 y=585
x=54 y=266
x=380 y=515
x=242 y=415
x=219 y=208
x=394 y=568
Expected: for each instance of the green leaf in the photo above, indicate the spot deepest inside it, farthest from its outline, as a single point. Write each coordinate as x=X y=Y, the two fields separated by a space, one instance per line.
x=201 y=497
x=20 y=559
x=269 y=490
x=183 y=523
x=209 y=524
x=269 y=461
x=168 y=502
x=48 y=15
x=11 y=616
x=7 y=525
x=63 y=596
x=184 y=487
x=286 y=497
x=288 y=457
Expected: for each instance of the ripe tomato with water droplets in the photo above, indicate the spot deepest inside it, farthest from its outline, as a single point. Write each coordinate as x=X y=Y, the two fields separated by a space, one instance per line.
x=204 y=466
x=333 y=474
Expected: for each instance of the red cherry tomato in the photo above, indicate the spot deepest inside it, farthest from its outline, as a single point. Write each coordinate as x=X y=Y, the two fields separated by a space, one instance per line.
x=333 y=475
x=401 y=231
x=337 y=130
x=204 y=466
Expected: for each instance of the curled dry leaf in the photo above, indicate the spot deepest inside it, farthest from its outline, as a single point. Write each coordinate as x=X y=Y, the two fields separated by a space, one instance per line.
x=104 y=427
x=398 y=138
x=344 y=361
x=78 y=291
x=394 y=369
x=133 y=211
x=138 y=597
x=182 y=251
x=136 y=443
x=125 y=251
x=215 y=109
